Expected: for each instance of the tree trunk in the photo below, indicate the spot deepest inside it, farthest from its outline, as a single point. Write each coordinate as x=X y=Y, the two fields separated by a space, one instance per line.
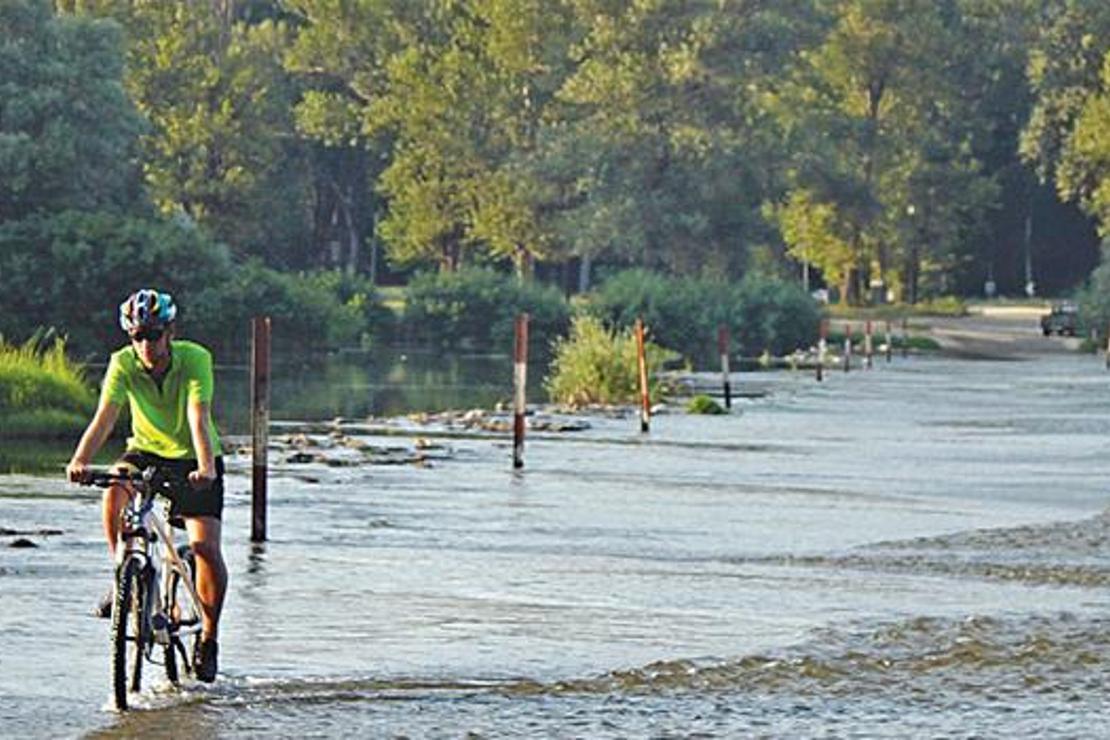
x=523 y=259
x=353 y=242
x=584 y=274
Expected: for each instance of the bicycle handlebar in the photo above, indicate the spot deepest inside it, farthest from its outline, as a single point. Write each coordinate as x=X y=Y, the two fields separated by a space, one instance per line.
x=105 y=478
x=150 y=479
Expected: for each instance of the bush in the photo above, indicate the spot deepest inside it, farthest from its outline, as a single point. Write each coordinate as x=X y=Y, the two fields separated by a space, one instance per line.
x=704 y=405
x=763 y=314
x=773 y=316
x=309 y=311
x=1094 y=298
x=42 y=392
x=598 y=365
x=475 y=308
x=71 y=270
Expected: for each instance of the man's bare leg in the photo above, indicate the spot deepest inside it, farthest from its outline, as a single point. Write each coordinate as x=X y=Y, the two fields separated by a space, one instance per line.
x=204 y=537
x=111 y=504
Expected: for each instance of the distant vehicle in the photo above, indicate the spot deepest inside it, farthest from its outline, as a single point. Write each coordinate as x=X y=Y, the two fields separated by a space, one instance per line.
x=1063 y=320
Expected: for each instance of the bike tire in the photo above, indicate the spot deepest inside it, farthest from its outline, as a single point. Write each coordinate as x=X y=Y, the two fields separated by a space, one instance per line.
x=175 y=603
x=128 y=631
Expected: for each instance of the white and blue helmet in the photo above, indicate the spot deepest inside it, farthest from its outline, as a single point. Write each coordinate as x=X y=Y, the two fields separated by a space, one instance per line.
x=146 y=309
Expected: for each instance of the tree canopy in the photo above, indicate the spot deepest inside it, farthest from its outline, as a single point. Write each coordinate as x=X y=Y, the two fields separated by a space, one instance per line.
x=889 y=143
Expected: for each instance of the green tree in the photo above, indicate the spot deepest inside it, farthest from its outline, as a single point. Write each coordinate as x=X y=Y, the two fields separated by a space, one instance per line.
x=814 y=234
x=67 y=129
x=670 y=147
x=1064 y=72
x=889 y=139
x=1084 y=170
x=220 y=147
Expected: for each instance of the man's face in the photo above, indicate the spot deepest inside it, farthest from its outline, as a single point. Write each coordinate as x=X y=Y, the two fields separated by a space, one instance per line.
x=151 y=345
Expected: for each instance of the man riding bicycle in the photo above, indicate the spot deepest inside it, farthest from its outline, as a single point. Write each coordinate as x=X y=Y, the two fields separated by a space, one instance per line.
x=167 y=385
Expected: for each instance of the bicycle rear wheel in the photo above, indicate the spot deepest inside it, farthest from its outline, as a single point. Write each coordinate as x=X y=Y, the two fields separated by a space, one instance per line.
x=128 y=630
x=181 y=613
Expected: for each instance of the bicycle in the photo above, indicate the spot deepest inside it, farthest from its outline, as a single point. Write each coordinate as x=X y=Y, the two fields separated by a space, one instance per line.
x=155 y=602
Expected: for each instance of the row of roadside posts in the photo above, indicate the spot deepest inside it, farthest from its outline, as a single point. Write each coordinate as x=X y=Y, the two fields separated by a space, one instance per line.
x=260 y=389
x=260 y=392
x=520 y=363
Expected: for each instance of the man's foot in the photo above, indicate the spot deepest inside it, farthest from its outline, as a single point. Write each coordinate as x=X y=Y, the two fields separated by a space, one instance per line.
x=204 y=659
x=103 y=608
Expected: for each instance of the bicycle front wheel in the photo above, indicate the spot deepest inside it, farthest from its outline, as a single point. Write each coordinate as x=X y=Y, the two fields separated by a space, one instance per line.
x=128 y=631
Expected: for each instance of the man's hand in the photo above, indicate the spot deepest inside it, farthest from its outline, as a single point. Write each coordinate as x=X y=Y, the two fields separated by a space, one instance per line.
x=201 y=478
x=78 y=471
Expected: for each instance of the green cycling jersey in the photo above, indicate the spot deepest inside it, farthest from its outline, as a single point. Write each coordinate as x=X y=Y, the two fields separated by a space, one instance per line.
x=159 y=419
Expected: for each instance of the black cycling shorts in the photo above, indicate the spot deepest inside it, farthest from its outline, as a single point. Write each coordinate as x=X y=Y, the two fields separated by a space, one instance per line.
x=187 y=501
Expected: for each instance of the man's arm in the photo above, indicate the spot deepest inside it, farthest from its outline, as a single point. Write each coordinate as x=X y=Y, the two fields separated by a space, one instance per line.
x=198 y=415
x=103 y=421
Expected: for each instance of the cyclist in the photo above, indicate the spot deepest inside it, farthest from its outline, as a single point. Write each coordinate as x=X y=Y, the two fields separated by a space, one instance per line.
x=167 y=386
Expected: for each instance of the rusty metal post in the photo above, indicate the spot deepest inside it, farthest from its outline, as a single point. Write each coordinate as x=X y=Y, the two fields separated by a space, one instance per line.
x=645 y=395
x=1108 y=349
x=905 y=337
x=260 y=423
x=722 y=349
x=822 y=348
x=520 y=378
x=868 y=346
x=889 y=342
x=847 y=347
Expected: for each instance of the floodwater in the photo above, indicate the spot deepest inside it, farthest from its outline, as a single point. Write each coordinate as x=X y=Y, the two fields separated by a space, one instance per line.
x=922 y=549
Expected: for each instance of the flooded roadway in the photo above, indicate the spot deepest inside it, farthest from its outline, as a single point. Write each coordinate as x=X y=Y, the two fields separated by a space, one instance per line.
x=919 y=549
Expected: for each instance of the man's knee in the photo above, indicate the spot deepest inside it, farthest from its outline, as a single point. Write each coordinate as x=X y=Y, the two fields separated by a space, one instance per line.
x=207 y=550
x=114 y=497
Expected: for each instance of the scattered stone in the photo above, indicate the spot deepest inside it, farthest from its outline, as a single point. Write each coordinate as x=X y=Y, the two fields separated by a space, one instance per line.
x=473 y=416
x=301 y=440
x=551 y=424
x=302 y=458
x=336 y=462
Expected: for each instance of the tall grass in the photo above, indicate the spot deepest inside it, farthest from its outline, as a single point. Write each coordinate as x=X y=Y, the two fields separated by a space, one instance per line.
x=596 y=365
x=42 y=391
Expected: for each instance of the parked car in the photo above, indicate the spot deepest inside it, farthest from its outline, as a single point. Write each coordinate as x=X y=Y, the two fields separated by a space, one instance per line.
x=1063 y=320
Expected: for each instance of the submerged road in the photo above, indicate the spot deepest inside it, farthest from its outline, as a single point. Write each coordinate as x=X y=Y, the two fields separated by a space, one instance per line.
x=919 y=549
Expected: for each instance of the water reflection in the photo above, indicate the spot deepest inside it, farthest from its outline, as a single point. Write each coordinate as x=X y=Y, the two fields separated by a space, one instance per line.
x=381 y=382
x=256 y=559
x=352 y=384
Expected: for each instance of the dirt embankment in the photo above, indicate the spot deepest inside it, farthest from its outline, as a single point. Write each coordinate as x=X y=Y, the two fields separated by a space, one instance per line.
x=995 y=333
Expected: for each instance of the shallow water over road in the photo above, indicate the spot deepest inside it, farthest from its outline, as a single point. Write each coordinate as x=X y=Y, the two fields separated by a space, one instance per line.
x=918 y=549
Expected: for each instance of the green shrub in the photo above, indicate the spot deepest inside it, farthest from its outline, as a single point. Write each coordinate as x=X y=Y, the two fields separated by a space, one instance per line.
x=475 y=308
x=1094 y=298
x=773 y=316
x=71 y=270
x=42 y=392
x=309 y=311
x=762 y=313
x=119 y=254
x=704 y=405
x=941 y=306
x=597 y=365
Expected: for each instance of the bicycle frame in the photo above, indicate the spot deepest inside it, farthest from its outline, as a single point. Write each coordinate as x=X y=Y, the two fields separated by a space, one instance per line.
x=148 y=536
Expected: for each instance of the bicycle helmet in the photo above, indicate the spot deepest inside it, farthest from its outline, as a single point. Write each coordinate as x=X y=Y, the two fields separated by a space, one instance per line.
x=146 y=309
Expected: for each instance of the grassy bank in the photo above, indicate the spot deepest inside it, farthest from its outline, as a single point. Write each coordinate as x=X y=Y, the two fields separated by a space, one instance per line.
x=43 y=394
